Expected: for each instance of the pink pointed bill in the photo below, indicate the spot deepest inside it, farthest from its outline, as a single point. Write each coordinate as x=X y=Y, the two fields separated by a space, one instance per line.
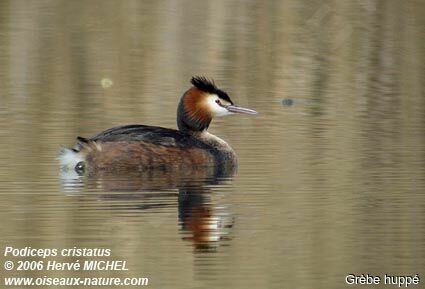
x=239 y=109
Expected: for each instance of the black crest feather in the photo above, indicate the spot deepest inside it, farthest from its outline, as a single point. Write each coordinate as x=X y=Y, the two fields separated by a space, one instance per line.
x=207 y=85
x=204 y=84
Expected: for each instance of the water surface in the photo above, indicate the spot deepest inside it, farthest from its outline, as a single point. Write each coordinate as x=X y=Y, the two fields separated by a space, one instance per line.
x=331 y=174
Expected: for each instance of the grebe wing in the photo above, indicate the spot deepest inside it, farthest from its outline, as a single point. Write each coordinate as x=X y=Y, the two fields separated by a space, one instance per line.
x=151 y=134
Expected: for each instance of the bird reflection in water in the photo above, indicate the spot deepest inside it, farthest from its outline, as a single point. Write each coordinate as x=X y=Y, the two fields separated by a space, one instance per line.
x=204 y=223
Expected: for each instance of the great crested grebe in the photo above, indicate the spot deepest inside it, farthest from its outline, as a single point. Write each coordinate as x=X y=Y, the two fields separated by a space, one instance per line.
x=142 y=147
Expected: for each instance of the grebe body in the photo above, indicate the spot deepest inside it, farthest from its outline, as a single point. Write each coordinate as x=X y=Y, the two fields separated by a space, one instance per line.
x=142 y=147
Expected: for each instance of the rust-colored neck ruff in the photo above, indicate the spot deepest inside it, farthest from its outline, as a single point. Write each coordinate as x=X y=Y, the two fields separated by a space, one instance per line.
x=192 y=115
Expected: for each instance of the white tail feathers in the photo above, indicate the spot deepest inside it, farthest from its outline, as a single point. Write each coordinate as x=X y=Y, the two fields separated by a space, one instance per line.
x=69 y=158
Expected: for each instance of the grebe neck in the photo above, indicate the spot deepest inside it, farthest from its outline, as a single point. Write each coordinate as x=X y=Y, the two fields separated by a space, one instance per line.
x=192 y=117
x=214 y=141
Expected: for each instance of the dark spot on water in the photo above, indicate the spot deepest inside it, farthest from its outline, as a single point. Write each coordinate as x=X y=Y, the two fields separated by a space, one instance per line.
x=287 y=102
x=80 y=168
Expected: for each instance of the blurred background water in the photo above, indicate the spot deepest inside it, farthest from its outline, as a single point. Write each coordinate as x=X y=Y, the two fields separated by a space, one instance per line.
x=331 y=176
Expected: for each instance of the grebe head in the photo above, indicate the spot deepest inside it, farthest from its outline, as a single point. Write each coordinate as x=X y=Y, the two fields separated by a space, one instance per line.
x=201 y=103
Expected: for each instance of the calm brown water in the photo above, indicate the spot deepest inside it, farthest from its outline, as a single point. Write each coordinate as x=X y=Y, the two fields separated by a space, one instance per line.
x=331 y=179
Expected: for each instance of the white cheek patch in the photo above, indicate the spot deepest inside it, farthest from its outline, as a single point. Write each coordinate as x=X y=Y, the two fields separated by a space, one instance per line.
x=215 y=108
